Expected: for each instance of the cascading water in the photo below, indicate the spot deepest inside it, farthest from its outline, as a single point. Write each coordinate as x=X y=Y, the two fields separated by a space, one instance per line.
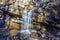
x=26 y=16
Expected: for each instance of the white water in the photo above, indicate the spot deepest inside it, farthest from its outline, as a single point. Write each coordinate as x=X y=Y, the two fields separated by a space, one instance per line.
x=26 y=16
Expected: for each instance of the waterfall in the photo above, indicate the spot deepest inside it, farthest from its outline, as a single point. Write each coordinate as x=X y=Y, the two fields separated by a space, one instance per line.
x=26 y=16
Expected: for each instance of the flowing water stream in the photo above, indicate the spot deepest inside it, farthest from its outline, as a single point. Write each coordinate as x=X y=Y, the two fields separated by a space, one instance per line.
x=26 y=16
